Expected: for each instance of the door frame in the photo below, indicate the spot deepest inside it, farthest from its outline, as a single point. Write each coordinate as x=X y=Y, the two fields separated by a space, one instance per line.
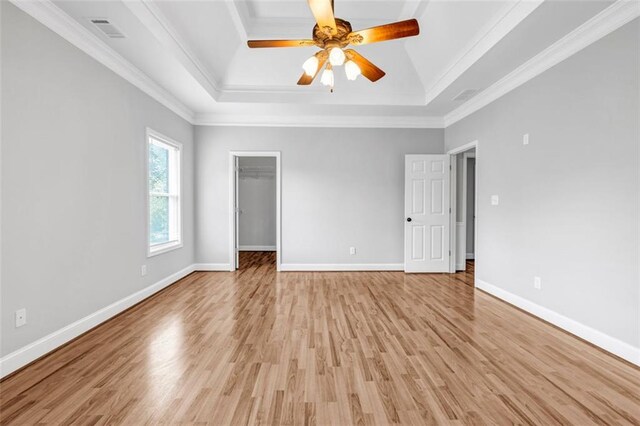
x=466 y=156
x=453 y=242
x=233 y=155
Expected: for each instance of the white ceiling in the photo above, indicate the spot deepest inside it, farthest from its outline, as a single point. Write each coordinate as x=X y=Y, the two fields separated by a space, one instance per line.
x=197 y=52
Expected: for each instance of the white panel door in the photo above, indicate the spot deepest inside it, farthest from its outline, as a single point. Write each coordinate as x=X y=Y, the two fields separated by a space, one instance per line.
x=427 y=213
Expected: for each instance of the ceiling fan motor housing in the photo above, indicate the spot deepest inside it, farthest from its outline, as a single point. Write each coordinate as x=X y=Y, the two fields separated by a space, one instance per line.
x=324 y=38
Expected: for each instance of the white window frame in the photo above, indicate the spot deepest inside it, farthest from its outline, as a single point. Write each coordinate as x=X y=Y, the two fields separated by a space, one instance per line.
x=151 y=136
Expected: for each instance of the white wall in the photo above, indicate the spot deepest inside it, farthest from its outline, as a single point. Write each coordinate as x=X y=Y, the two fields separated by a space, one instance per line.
x=73 y=183
x=569 y=200
x=340 y=188
x=257 y=202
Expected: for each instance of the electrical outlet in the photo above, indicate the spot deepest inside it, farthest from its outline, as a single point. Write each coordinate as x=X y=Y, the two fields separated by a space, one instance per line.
x=143 y=270
x=21 y=317
x=495 y=200
x=537 y=283
x=352 y=250
x=525 y=139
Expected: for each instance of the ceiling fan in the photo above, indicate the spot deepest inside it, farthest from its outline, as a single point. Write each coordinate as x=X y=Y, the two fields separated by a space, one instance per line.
x=333 y=35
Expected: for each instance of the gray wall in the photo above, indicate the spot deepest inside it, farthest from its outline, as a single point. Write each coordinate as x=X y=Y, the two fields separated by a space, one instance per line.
x=340 y=188
x=569 y=200
x=257 y=202
x=73 y=183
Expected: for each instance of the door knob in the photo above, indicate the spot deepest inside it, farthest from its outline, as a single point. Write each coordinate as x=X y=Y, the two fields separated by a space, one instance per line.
x=408 y=219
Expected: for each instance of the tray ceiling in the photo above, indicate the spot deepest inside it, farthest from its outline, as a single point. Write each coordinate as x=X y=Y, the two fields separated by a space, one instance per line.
x=196 y=51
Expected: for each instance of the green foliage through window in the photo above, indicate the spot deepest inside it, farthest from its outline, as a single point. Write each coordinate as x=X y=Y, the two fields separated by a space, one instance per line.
x=158 y=169
x=163 y=192
x=159 y=219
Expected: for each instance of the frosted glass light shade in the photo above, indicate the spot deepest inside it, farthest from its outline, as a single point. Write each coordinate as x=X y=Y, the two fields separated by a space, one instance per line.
x=310 y=66
x=327 y=78
x=352 y=70
x=336 y=56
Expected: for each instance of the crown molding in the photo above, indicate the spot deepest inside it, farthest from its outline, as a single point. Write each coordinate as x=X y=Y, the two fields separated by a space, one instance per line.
x=607 y=21
x=154 y=20
x=236 y=18
x=342 y=121
x=54 y=18
x=228 y=89
x=612 y=18
x=515 y=14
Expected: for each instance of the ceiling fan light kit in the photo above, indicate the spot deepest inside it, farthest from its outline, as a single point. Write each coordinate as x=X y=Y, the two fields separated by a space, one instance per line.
x=352 y=70
x=333 y=35
x=310 y=66
x=336 y=56
x=327 y=78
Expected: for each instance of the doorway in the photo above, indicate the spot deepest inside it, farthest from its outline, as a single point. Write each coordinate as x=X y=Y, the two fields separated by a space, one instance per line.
x=254 y=210
x=465 y=212
x=464 y=200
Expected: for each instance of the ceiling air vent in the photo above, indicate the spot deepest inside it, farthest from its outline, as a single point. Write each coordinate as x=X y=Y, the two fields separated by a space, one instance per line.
x=467 y=94
x=107 y=27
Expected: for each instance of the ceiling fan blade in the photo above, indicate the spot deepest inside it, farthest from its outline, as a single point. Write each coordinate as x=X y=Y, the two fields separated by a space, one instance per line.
x=323 y=12
x=367 y=68
x=280 y=43
x=400 y=29
x=306 y=79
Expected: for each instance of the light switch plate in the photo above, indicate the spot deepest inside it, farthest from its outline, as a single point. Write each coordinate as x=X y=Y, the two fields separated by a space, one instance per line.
x=495 y=200
x=352 y=250
x=525 y=139
x=537 y=283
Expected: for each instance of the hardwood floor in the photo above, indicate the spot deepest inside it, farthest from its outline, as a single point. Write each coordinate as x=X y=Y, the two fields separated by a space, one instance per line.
x=260 y=347
x=471 y=267
x=255 y=259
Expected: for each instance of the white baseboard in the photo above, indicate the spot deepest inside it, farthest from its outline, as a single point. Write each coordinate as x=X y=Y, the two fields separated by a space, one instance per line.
x=342 y=267
x=470 y=256
x=598 y=338
x=29 y=353
x=211 y=266
x=257 y=248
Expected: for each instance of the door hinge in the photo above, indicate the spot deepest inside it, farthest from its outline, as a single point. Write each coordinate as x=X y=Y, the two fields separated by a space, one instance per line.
x=449 y=252
x=449 y=210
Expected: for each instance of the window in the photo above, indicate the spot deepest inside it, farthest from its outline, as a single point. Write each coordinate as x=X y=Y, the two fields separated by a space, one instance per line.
x=164 y=193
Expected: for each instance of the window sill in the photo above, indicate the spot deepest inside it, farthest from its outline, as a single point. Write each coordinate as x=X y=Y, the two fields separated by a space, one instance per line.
x=163 y=248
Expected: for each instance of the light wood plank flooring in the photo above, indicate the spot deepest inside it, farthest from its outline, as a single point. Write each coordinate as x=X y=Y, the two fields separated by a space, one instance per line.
x=258 y=347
